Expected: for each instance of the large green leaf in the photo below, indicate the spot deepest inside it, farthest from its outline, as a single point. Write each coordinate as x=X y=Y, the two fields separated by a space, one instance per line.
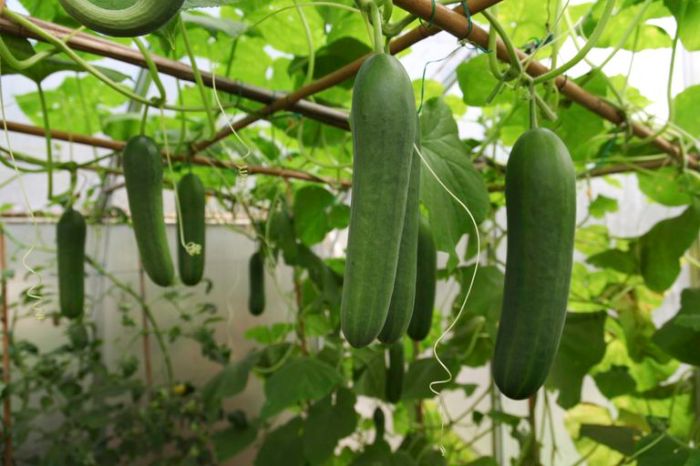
x=687 y=13
x=680 y=336
x=421 y=373
x=302 y=379
x=685 y=108
x=328 y=422
x=661 y=248
x=448 y=158
x=619 y=438
x=230 y=381
x=283 y=446
x=582 y=346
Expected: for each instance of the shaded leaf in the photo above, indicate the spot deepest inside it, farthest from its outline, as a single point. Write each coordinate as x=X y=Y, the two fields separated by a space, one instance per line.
x=582 y=346
x=301 y=379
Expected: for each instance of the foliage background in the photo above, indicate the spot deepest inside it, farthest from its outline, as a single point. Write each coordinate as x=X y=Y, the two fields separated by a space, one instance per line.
x=631 y=383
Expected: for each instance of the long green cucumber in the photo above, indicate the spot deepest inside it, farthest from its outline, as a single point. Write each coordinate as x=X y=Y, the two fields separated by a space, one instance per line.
x=426 y=278
x=143 y=173
x=541 y=215
x=394 y=373
x=136 y=18
x=256 y=280
x=70 y=241
x=404 y=294
x=190 y=193
x=383 y=121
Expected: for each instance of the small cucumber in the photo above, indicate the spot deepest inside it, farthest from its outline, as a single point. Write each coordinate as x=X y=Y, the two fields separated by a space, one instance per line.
x=143 y=173
x=383 y=121
x=256 y=277
x=394 y=373
x=70 y=241
x=541 y=215
x=426 y=278
x=190 y=192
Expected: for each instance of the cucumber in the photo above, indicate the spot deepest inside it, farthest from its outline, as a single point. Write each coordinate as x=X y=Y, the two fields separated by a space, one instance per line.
x=70 y=241
x=404 y=294
x=383 y=121
x=426 y=278
x=143 y=173
x=394 y=373
x=138 y=18
x=379 y=424
x=541 y=215
x=256 y=278
x=190 y=193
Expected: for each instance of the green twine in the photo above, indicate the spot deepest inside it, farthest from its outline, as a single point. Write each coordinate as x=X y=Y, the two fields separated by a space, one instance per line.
x=433 y=10
x=467 y=12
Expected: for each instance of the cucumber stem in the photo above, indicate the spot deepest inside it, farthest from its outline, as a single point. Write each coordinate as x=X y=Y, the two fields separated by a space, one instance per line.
x=377 y=27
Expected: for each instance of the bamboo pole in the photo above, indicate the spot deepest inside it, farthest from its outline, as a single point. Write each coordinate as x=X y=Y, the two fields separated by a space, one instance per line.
x=105 y=48
x=336 y=77
x=196 y=160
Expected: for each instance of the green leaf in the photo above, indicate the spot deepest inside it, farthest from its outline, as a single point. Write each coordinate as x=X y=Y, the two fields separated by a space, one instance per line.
x=301 y=379
x=477 y=82
x=215 y=25
x=660 y=449
x=602 y=205
x=230 y=442
x=421 y=373
x=582 y=346
x=667 y=185
x=619 y=438
x=615 y=381
x=369 y=372
x=680 y=336
x=230 y=381
x=662 y=247
x=266 y=334
x=687 y=13
x=283 y=446
x=447 y=156
x=328 y=422
x=686 y=104
x=615 y=259
x=312 y=205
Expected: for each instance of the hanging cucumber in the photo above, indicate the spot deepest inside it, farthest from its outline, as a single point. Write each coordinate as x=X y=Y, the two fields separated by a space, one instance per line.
x=403 y=296
x=70 y=241
x=138 y=18
x=143 y=173
x=541 y=215
x=379 y=424
x=426 y=277
x=256 y=277
x=190 y=193
x=383 y=121
x=394 y=373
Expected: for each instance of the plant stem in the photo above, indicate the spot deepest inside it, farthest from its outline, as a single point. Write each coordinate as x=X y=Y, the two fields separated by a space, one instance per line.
x=592 y=40
x=49 y=143
x=146 y=309
x=197 y=77
x=377 y=28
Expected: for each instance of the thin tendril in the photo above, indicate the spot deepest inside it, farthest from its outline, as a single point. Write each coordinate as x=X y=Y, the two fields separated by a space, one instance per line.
x=192 y=248
x=32 y=291
x=449 y=378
